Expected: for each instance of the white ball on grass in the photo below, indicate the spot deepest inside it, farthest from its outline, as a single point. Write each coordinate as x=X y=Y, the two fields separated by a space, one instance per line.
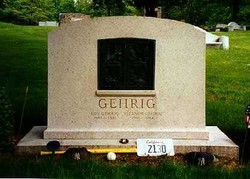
x=111 y=156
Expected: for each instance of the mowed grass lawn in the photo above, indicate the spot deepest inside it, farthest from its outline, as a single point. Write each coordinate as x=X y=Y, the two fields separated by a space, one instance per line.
x=65 y=168
x=228 y=87
x=23 y=62
x=228 y=83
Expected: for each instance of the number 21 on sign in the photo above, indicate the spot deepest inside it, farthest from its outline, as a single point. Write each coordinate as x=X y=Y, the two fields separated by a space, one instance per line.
x=155 y=147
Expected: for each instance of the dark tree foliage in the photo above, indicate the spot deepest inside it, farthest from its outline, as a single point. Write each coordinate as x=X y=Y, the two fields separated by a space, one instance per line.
x=197 y=12
x=148 y=6
x=206 y=12
x=235 y=9
x=1 y=4
x=23 y=12
x=244 y=15
x=109 y=7
x=6 y=122
x=32 y=11
x=66 y=6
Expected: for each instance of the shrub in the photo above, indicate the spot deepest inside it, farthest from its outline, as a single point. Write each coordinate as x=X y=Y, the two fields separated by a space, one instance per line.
x=6 y=122
x=218 y=14
x=244 y=15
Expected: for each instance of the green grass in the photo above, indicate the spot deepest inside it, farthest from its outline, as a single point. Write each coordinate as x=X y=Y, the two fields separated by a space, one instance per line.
x=23 y=62
x=65 y=168
x=228 y=83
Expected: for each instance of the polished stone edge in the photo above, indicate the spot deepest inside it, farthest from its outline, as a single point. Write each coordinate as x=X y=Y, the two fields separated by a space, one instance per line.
x=175 y=133
x=121 y=93
x=218 y=143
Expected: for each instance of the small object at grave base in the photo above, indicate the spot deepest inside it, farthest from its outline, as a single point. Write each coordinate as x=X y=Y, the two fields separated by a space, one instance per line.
x=124 y=141
x=115 y=150
x=111 y=156
x=77 y=156
x=155 y=147
x=97 y=151
x=49 y=152
x=77 y=153
x=200 y=158
x=53 y=145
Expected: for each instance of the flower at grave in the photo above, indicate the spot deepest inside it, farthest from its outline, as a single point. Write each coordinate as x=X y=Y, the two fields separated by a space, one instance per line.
x=77 y=156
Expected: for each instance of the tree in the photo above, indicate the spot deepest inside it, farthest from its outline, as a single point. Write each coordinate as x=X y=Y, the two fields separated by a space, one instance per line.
x=83 y=6
x=197 y=12
x=33 y=11
x=148 y=6
x=6 y=121
x=108 y=7
x=235 y=9
x=25 y=11
x=244 y=14
x=1 y=4
x=66 y=6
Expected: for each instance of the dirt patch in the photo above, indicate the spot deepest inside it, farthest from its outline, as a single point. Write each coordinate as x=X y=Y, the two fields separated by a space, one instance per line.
x=132 y=159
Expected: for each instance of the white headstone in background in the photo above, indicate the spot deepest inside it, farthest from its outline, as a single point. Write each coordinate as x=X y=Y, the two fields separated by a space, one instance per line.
x=215 y=40
x=48 y=23
x=234 y=26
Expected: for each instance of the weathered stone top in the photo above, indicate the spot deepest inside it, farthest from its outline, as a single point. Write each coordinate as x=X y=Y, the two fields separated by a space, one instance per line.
x=68 y=17
x=132 y=21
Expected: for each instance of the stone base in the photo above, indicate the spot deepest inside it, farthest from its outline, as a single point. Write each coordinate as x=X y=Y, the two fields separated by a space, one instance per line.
x=218 y=143
x=175 y=133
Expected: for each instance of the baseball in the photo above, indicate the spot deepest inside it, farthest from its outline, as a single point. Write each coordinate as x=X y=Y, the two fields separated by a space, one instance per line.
x=111 y=156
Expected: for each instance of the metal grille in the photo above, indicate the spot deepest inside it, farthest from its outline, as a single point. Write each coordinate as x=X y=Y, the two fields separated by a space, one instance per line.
x=126 y=64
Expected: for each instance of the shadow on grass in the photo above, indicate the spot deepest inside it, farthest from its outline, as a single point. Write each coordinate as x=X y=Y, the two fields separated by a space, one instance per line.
x=238 y=136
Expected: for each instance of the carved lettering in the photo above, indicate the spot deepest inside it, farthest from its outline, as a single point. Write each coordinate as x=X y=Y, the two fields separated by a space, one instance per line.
x=142 y=103
x=102 y=103
x=134 y=103
x=120 y=103
x=126 y=103
x=112 y=103
x=150 y=105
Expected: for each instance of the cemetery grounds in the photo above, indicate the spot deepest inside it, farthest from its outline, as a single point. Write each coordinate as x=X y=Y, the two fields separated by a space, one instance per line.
x=23 y=62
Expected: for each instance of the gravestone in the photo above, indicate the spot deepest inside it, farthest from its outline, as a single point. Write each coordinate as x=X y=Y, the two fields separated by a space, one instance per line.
x=234 y=26
x=110 y=78
x=113 y=79
x=215 y=40
x=48 y=23
x=221 y=27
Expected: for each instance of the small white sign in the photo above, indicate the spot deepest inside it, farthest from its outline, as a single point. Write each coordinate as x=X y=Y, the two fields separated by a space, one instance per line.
x=155 y=147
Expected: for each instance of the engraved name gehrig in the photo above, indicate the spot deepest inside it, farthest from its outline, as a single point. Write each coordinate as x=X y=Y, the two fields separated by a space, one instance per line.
x=126 y=103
